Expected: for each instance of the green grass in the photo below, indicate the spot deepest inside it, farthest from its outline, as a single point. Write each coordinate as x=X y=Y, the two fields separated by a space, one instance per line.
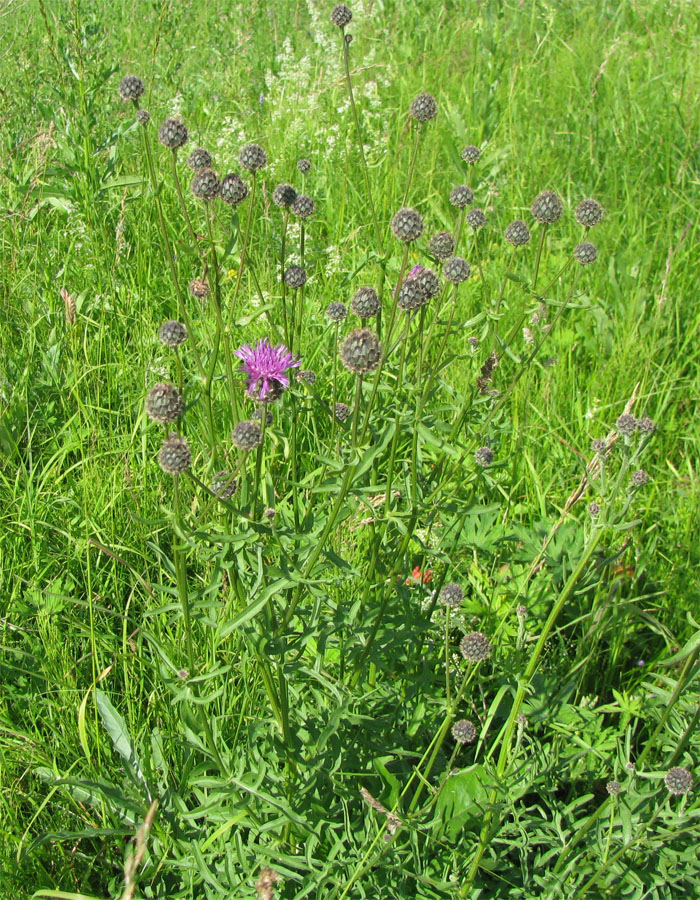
x=589 y=99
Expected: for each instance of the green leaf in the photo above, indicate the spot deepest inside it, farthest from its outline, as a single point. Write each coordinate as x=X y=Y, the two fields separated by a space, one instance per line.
x=689 y=648
x=119 y=734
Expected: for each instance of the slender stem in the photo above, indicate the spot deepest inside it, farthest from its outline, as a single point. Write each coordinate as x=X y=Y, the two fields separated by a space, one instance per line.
x=181 y=197
x=540 y=246
x=412 y=166
x=360 y=141
x=244 y=251
x=356 y=411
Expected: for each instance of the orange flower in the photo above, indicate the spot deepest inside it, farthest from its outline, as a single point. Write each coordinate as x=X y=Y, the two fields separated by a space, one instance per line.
x=419 y=577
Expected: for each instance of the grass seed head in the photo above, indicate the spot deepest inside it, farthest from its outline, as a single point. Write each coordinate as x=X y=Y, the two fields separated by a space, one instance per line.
x=361 y=351
x=407 y=225
x=173 y=134
x=175 y=455
x=547 y=208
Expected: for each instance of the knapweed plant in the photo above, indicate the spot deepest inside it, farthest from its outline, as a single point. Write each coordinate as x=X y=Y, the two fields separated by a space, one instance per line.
x=368 y=667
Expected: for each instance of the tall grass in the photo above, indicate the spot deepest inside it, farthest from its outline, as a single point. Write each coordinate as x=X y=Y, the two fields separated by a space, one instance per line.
x=207 y=698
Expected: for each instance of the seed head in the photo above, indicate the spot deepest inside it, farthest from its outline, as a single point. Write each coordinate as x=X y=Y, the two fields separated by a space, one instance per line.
x=639 y=477
x=337 y=312
x=412 y=294
x=205 y=185
x=407 y=225
x=175 y=455
x=547 y=208
x=589 y=213
x=341 y=15
x=441 y=245
x=295 y=277
x=471 y=154
x=429 y=281
x=586 y=253
x=626 y=425
x=131 y=87
x=308 y=376
x=304 y=166
x=475 y=647
x=598 y=446
x=284 y=195
x=270 y=514
x=199 y=158
x=247 y=435
x=456 y=270
x=476 y=218
x=199 y=289
x=461 y=195
x=164 y=403
x=594 y=510
x=172 y=333
x=517 y=233
x=361 y=351
x=173 y=134
x=143 y=117
x=521 y=612
x=452 y=595
x=464 y=732
x=303 y=206
x=342 y=411
x=646 y=425
x=365 y=303
x=252 y=157
x=483 y=456
x=613 y=788
x=678 y=780
x=233 y=189
x=424 y=107
x=223 y=485
x=263 y=413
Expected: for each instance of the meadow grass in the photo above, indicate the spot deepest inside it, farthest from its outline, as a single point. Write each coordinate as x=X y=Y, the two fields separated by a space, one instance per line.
x=285 y=686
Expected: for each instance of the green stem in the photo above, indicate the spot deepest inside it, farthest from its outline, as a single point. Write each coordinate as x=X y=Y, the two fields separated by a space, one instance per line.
x=181 y=197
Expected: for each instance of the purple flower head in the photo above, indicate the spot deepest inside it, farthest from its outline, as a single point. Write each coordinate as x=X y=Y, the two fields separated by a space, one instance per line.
x=265 y=364
x=416 y=270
